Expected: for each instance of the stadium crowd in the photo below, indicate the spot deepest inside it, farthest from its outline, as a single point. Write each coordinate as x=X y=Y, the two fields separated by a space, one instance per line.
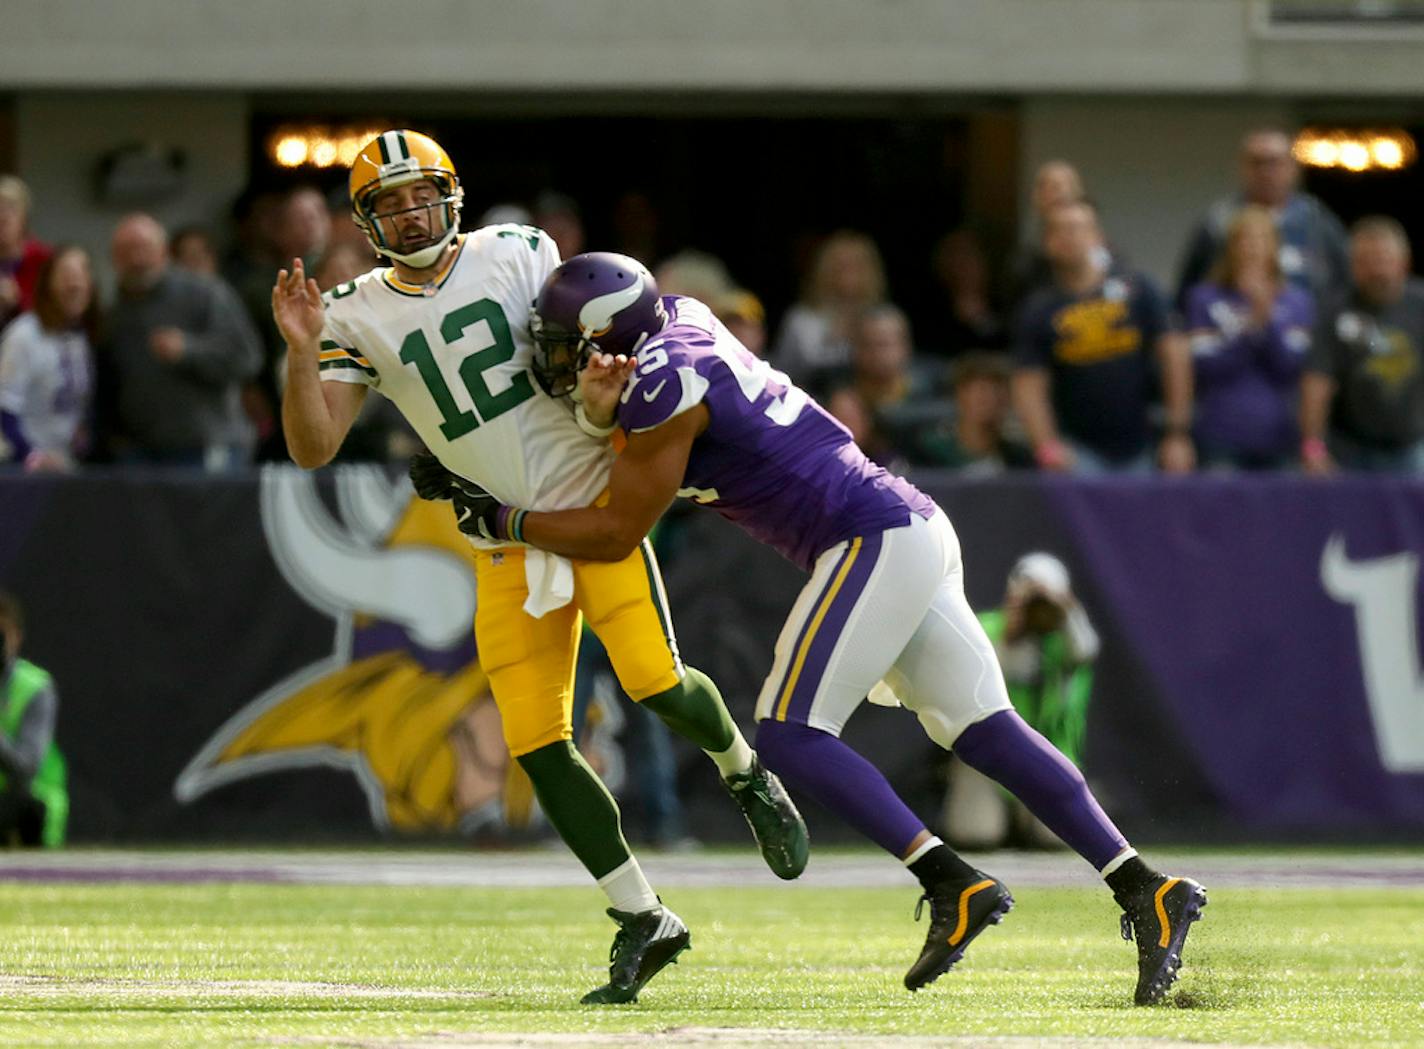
x=1288 y=342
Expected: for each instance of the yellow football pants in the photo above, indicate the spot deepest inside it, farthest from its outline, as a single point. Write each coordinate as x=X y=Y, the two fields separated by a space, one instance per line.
x=530 y=662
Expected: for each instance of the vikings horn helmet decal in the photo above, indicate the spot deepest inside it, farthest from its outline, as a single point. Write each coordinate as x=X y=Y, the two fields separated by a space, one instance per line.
x=597 y=301
x=396 y=158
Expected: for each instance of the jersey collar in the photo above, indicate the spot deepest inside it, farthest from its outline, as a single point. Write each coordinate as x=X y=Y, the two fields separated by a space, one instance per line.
x=421 y=291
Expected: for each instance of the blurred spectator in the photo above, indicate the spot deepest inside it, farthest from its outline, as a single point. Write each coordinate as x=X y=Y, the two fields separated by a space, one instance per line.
x=20 y=254
x=847 y=278
x=558 y=216
x=304 y=229
x=504 y=213
x=175 y=352
x=47 y=368
x=745 y=317
x=880 y=387
x=1249 y=332
x=1056 y=182
x=34 y=802
x=1047 y=647
x=344 y=231
x=693 y=273
x=968 y=320
x=1087 y=350
x=1364 y=377
x=635 y=226
x=253 y=260
x=1312 y=241
x=974 y=438
x=342 y=263
x=193 y=250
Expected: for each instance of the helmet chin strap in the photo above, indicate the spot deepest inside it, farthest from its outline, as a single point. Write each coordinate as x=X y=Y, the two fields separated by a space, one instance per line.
x=425 y=256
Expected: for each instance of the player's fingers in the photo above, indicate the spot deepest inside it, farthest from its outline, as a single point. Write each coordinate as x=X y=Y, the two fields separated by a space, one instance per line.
x=313 y=291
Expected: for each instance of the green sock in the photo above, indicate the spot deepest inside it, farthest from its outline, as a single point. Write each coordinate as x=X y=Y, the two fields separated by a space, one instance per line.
x=693 y=708
x=578 y=806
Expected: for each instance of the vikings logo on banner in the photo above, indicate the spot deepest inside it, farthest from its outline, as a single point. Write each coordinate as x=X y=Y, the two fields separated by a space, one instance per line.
x=401 y=702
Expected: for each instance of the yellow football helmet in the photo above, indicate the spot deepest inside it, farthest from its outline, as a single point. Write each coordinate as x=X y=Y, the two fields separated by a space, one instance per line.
x=395 y=158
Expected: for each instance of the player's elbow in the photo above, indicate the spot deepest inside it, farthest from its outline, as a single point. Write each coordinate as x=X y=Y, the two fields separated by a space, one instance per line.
x=618 y=542
x=309 y=454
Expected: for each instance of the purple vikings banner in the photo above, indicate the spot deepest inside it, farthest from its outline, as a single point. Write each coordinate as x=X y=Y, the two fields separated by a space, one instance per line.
x=281 y=656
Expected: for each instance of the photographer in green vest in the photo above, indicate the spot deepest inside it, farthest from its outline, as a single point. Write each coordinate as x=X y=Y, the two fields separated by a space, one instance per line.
x=1046 y=646
x=34 y=805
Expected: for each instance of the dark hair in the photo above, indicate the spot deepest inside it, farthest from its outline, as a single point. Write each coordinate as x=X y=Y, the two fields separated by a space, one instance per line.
x=1381 y=226
x=979 y=364
x=11 y=611
x=47 y=306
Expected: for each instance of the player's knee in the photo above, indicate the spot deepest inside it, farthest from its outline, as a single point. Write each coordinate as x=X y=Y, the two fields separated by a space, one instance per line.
x=938 y=727
x=777 y=740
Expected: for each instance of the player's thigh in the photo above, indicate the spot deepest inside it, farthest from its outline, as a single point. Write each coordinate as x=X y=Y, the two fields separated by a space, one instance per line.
x=626 y=606
x=861 y=606
x=530 y=662
x=949 y=673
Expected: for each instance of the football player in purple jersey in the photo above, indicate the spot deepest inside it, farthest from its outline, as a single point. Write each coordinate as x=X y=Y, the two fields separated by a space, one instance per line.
x=883 y=614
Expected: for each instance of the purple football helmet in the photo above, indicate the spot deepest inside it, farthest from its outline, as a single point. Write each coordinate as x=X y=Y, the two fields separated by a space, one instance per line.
x=596 y=301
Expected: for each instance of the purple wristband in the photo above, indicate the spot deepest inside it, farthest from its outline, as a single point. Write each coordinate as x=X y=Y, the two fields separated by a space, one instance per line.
x=509 y=523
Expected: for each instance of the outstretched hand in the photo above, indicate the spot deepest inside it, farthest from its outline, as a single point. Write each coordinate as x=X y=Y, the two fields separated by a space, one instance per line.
x=297 y=307
x=601 y=383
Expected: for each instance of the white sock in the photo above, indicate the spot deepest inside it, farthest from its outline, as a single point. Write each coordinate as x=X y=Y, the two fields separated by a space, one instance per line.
x=627 y=889
x=1118 y=860
x=929 y=844
x=736 y=759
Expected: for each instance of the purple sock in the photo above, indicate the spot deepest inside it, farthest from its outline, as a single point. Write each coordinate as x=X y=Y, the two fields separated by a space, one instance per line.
x=1004 y=748
x=823 y=768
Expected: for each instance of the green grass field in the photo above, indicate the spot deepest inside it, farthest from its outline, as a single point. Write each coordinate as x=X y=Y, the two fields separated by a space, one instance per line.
x=263 y=965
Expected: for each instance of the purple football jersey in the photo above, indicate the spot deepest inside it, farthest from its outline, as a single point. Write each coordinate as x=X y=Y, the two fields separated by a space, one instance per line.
x=771 y=460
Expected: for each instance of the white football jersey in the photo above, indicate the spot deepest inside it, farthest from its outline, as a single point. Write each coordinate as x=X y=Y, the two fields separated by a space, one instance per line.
x=455 y=358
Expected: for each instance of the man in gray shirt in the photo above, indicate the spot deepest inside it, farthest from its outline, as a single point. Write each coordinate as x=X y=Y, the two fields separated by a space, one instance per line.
x=175 y=352
x=1362 y=393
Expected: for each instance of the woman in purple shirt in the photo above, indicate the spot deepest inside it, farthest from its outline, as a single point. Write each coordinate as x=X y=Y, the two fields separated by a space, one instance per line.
x=1249 y=333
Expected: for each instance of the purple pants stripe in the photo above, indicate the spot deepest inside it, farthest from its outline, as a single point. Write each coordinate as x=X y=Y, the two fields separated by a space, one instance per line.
x=825 y=626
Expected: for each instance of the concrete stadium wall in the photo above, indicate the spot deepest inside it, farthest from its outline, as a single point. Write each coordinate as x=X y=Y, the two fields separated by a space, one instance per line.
x=61 y=137
x=559 y=45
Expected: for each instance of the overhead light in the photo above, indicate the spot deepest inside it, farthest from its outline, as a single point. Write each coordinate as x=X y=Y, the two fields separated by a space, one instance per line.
x=317 y=145
x=1356 y=149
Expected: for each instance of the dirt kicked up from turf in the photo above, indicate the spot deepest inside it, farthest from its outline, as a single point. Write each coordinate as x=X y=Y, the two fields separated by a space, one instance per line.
x=752 y=1038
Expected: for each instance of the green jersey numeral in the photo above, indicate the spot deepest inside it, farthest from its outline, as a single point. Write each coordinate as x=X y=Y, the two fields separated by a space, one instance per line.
x=531 y=234
x=457 y=422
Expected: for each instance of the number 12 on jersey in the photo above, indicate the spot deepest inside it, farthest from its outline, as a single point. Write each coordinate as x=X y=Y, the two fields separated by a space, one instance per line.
x=415 y=350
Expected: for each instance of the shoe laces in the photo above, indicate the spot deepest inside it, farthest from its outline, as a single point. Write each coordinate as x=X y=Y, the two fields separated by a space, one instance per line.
x=1126 y=926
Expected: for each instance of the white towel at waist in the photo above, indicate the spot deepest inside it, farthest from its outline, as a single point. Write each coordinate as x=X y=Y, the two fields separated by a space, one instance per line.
x=550 y=579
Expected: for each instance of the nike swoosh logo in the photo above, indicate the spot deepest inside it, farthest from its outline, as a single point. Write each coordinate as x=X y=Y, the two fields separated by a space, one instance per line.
x=650 y=395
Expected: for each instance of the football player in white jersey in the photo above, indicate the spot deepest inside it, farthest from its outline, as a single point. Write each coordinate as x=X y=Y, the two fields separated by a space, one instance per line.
x=444 y=333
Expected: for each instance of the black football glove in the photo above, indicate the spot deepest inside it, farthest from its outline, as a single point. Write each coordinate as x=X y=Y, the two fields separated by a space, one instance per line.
x=480 y=514
x=430 y=478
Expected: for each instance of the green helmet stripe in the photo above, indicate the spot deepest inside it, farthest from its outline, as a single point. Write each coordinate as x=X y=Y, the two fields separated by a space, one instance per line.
x=385 y=151
x=400 y=142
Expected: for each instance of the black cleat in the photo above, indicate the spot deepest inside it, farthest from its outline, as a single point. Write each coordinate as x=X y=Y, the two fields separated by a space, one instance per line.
x=958 y=913
x=643 y=944
x=1159 y=917
x=779 y=831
